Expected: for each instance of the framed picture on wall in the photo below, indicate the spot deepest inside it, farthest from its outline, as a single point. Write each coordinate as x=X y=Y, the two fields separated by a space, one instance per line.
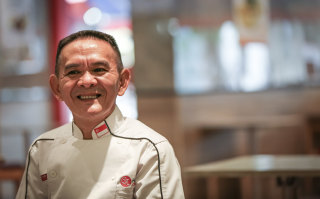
x=22 y=45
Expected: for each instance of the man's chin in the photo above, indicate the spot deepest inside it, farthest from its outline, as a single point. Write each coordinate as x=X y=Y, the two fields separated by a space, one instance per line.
x=88 y=113
x=93 y=113
x=91 y=116
x=96 y=112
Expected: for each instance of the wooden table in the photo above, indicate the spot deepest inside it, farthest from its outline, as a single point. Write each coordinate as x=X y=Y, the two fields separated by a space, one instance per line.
x=284 y=167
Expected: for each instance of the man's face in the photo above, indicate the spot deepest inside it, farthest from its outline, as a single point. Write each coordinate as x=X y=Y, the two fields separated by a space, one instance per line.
x=89 y=81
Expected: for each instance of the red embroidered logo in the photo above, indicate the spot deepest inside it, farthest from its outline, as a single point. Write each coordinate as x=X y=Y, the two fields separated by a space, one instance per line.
x=101 y=130
x=125 y=181
x=44 y=177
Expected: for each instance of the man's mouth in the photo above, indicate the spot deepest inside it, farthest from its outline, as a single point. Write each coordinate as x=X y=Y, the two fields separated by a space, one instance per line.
x=88 y=97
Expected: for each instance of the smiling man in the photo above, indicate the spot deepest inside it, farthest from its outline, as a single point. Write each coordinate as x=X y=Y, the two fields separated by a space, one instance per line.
x=101 y=154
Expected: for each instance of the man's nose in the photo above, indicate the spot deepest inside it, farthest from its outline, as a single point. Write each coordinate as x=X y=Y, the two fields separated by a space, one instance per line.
x=87 y=80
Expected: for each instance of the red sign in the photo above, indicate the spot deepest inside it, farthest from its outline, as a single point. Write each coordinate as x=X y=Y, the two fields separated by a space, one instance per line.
x=101 y=130
x=44 y=177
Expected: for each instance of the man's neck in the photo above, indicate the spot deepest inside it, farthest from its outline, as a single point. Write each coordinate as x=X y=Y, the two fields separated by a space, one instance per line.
x=86 y=125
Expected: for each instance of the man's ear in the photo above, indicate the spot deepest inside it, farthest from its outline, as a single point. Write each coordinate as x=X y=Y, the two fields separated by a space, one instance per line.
x=125 y=77
x=54 y=84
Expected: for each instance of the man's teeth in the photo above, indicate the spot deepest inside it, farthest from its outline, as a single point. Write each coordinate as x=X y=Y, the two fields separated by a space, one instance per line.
x=88 y=97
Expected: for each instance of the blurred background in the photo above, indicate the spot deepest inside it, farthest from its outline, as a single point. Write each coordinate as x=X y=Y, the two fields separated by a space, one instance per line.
x=219 y=78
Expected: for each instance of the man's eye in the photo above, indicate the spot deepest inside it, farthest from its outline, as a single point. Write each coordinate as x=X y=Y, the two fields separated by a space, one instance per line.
x=97 y=70
x=73 y=72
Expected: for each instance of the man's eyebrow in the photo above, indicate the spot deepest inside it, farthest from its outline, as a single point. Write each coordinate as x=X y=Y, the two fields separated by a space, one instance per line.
x=101 y=63
x=69 y=66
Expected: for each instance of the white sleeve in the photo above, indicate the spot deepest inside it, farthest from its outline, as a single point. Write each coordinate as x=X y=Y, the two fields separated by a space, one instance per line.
x=148 y=178
x=31 y=185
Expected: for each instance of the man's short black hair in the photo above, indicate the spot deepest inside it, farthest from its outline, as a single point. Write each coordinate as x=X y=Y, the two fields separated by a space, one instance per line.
x=88 y=34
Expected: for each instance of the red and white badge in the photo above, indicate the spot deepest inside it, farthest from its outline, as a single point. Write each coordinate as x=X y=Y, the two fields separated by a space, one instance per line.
x=125 y=181
x=101 y=130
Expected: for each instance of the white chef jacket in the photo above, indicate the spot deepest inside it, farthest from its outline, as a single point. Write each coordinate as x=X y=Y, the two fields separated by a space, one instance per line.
x=125 y=159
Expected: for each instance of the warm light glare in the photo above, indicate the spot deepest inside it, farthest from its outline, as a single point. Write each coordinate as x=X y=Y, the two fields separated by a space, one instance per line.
x=92 y=16
x=75 y=1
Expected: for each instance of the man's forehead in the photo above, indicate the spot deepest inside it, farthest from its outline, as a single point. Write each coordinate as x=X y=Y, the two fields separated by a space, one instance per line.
x=83 y=45
x=88 y=48
x=87 y=43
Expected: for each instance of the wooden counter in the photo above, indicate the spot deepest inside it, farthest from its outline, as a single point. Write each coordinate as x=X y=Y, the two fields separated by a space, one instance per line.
x=270 y=165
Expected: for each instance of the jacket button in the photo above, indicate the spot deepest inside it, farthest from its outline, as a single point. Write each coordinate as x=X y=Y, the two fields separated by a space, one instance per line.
x=53 y=174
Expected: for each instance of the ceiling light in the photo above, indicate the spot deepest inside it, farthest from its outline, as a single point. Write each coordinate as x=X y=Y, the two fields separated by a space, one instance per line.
x=75 y=1
x=92 y=16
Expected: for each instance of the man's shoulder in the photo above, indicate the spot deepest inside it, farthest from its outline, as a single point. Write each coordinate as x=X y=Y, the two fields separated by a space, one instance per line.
x=61 y=131
x=137 y=129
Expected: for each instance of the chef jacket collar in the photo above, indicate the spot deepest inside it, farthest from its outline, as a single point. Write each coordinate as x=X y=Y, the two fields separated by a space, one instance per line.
x=114 y=122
